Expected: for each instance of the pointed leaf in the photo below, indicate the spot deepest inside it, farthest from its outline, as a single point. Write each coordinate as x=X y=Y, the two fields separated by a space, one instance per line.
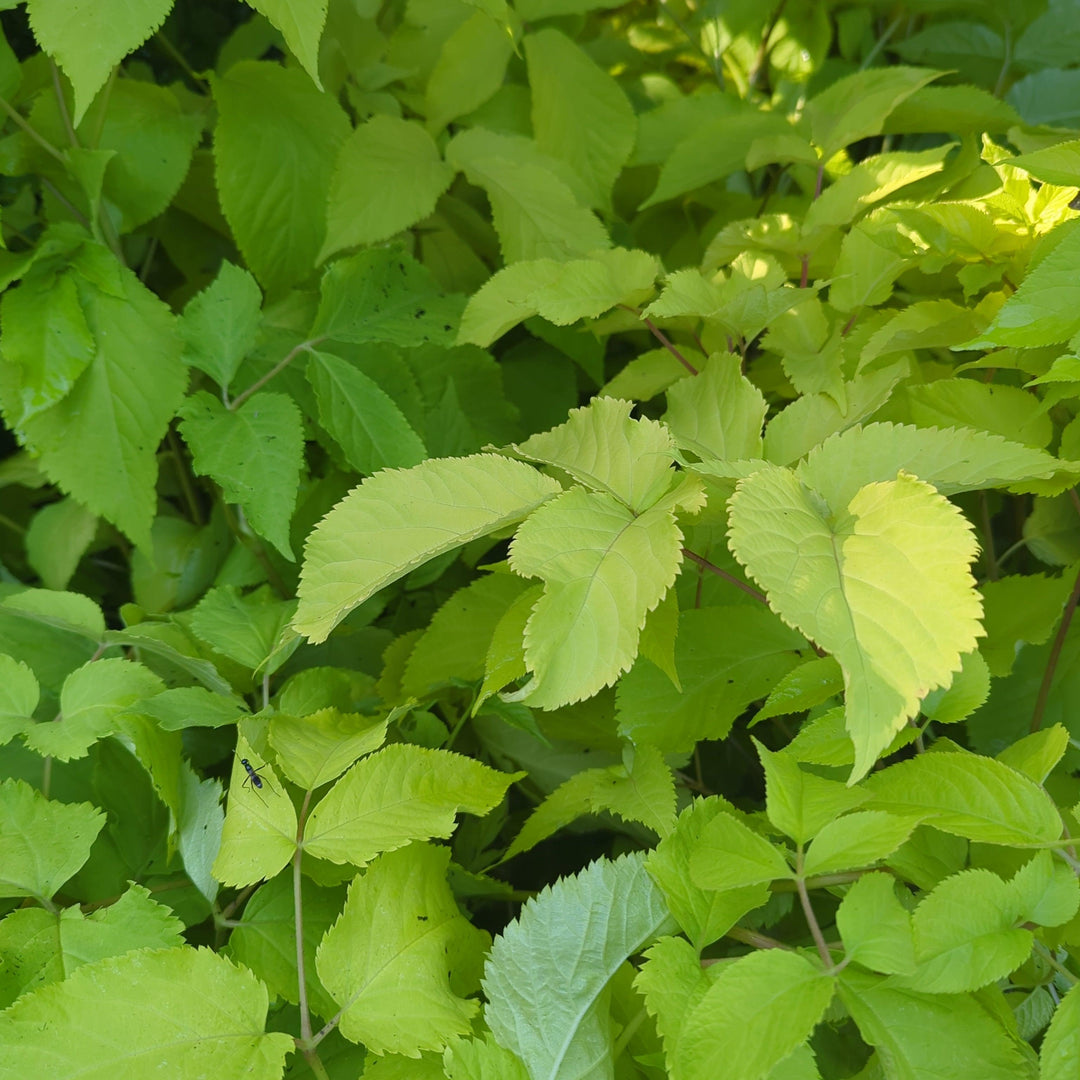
x=1060 y=1054
x=729 y=855
x=315 y=749
x=857 y=840
x=301 y=24
x=811 y=683
x=470 y=68
x=875 y=927
x=19 y=694
x=220 y=325
x=253 y=630
x=399 y=520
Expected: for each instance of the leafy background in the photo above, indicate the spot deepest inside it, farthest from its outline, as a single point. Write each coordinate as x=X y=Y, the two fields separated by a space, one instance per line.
x=539 y=540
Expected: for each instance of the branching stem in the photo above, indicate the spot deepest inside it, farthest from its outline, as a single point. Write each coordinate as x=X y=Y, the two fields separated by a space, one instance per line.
x=280 y=366
x=730 y=578
x=662 y=338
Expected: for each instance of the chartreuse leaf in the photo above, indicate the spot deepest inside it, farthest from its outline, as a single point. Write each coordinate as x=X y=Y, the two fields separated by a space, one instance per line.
x=186 y=1011
x=969 y=688
x=953 y=460
x=729 y=855
x=757 y=1011
x=42 y=843
x=875 y=927
x=896 y=543
x=970 y=796
x=639 y=789
x=800 y=803
x=254 y=453
x=265 y=939
x=275 y=145
x=92 y=700
x=704 y=915
x=579 y=112
x=726 y=657
x=19 y=694
x=810 y=684
x=253 y=630
x=388 y=176
x=470 y=68
x=872 y=256
x=718 y=414
x=1035 y=755
x=1045 y=310
x=916 y=1032
x=1006 y=410
x=857 y=106
x=601 y=447
x=672 y=981
x=1045 y=892
x=965 y=936
x=301 y=24
x=855 y=840
x=481 y=1059
x=57 y=539
x=1020 y=609
x=361 y=417
x=401 y=958
x=560 y=291
x=457 y=639
x=399 y=794
x=546 y=973
x=191 y=706
x=114 y=403
x=395 y=521
x=604 y=569
x=1059 y=1057
x=89 y=41
x=314 y=749
x=39 y=946
x=1057 y=164
x=259 y=836
x=220 y=325
x=505 y=658
x=536 y=214
x=383 y=294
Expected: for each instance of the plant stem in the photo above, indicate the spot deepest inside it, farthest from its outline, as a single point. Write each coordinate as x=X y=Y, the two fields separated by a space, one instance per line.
x=184 y=480
x=752 y=937
x=180 y=60
x=627 y=1033
x=808 y=911
x=881 y=42
x=18 y=120
x=662 y=338
x=706 y=565
x=988 y=538
x=763 y=48
x=279 y=367
x=61 y=104
x=298 y=915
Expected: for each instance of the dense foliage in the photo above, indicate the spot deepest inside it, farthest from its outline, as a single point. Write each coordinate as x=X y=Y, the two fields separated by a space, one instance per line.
x=648 y=431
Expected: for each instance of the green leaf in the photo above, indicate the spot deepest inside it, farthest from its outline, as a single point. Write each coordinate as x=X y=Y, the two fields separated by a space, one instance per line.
x=579 y=112
x=799 y=803
x=220 y=325
x=546 y=973
x=857 y=106
x=362 y=418
x=388 y=176
x=759 y=1009
x=401 y=958
x=481 y=1059
x=470 y=68
x=1057 y=164
x=92 y=701
x=871 y=258
x=42 y=843
x=875 y=927
x=726 y=657
x=275 y=145
x=672 y=981
x=254 y=453
x=535 y=212
x=39 y=947
x=253 y=630
x=1060 y=1053
x=259 y=836
x=265 y=939
x=89 y=41
x=639 y=789
x=1044 y=892
x=57 y=539
x=1045 y=310
x=604 y=569
x=729 y=855
x=1035 y=755
x=19 y=695
x=970 y=796
x=400 y=520
x=602 y=447
x=928 y=324
x=118 y=409
x=561 y=292
x=719 y=414
x=301 y=24
x=897 y=543
x=314 y=749
x=191 y=706
x=704 y=915
x=399 y=794
x=1005 y=410
x=811 y=683
x=965 y=936
x=916 y=1032
x=505 y=658
x=384 y=295
x=969 y=688
x=857 y=840
x=457 y=640
x=956 y=109
x=186 y=1011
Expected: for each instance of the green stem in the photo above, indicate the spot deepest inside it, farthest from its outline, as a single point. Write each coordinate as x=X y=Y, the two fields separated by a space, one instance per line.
x=298 y=915
x=44 y=143
x=61 y=104
x=280 y=366
x=752 y=937
x=808 y=911
x=628 y=1033
x=1056 y=964
x=182 y=476
x=180 y=60
x=1055 y=655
